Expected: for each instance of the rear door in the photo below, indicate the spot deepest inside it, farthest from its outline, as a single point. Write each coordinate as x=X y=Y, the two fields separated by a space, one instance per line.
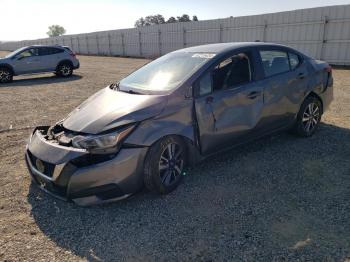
x=228 y=102
x=50 y=56
x=284 y=81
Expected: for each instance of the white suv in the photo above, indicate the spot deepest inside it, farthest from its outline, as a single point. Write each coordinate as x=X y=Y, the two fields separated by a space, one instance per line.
x=38 y=59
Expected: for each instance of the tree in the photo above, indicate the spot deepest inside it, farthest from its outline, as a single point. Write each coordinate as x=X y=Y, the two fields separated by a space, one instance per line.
x=159 y=19
x=140 y=22
x=171 y=20
x=56 y=30
x=184 y=18
x=150 y=20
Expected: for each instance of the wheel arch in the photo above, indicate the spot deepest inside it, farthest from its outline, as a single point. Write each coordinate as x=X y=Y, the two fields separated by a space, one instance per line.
x=315 y=95
x=8 y=66
x=65 y=61
x=147 y=136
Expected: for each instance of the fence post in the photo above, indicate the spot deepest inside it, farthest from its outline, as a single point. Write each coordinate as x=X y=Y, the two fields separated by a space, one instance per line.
x=184 y=37
x=123 y=44
x=140 y=43
x=87 y=44
x=109 y=45
x=160 y=42
x=323 y=36
x=221 y=33
x=98 y=45
x=78 y=45
x=265 y=30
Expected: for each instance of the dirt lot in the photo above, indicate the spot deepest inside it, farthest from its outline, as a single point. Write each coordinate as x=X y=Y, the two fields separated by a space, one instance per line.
x=281 y=198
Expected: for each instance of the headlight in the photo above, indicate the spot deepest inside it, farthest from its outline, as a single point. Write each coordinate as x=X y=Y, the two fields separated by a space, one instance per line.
x=102 y=143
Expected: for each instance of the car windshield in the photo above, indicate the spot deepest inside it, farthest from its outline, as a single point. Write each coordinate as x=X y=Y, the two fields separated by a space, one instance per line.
x=165 y=73
x=15 y=52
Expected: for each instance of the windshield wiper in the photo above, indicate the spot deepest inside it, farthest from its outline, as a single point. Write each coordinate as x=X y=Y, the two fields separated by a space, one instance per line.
x=131 y=92
x=114 y=86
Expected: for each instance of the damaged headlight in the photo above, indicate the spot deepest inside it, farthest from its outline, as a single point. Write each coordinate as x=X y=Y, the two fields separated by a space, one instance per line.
x=105 y=143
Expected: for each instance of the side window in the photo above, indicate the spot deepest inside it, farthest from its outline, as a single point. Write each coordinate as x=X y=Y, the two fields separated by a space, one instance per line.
x=56 y=50
x=28 y=53
x=44 y=51
x=49 y=51
x=274 y=62
x=294 y=60
x=232 y=72
x=205 y=84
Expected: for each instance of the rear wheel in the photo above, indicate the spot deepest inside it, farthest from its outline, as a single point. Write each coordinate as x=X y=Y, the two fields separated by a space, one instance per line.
x=64 y=70
x=6 y=75
x=309 y=117
x=164 y=165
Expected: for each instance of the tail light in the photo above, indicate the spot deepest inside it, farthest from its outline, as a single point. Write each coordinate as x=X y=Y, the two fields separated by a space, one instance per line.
x=328 y=69
x=73 y=54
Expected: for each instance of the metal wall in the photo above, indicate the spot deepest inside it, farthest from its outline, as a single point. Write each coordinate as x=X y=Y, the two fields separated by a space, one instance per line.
x=323 y=33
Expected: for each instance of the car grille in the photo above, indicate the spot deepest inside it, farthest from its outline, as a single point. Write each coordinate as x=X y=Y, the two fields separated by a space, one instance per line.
x=48 y=167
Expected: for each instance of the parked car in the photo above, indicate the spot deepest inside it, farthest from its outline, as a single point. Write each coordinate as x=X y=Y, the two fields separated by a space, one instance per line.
x=38 y=59
x=174 y=112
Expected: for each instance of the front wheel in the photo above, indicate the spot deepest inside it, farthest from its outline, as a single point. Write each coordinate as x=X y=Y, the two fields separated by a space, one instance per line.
x=164 y=165
x=309 y=117
x=64 y=70
x=6 y=75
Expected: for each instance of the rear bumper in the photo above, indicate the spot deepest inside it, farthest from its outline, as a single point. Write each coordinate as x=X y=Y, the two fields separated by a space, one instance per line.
x=327 y=95
x=76 y=65
x=67 y=174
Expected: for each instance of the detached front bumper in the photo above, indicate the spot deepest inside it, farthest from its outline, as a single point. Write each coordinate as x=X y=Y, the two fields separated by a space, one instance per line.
x=74 y=174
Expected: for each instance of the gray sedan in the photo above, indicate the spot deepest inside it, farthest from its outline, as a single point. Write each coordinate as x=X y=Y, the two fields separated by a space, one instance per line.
x=173 y=112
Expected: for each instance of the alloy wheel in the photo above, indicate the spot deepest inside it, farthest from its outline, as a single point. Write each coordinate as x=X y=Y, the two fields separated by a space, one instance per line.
x=311 y=117
x=171 y=164
x=5 y=76
x=66 y=70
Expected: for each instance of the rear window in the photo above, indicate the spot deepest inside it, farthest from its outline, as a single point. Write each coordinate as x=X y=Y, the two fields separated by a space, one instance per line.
x=68 y=49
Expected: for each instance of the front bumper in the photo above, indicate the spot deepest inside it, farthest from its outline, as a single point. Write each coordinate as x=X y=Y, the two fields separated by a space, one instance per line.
x=73 y=174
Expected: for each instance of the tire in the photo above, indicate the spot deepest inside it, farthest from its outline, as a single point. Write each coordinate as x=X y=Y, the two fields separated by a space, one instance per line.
x=64 y=70
x=164 y=165
x=309 y=117
x=6 y=75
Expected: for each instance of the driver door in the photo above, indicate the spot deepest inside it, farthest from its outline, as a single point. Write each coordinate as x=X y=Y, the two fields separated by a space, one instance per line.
x=228 y=103
x=28 y=61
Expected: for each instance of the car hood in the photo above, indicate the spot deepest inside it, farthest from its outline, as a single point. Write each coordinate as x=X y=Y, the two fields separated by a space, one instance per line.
x=109 y=109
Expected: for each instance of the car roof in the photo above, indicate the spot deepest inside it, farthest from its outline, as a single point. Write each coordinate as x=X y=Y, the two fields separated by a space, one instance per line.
x=59 y=46
x=224 y=47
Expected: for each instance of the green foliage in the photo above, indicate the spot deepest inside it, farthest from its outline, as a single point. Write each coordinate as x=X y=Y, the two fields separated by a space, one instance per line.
x=56 y=30
x=159 y=19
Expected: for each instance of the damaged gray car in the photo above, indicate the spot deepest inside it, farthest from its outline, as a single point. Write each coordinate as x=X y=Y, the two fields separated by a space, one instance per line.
x=173 y=112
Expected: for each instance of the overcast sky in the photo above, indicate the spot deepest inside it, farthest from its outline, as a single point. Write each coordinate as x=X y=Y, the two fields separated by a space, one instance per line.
x=29 y=19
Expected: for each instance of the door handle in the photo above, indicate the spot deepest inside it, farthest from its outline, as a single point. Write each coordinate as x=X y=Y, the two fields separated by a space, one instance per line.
x=301 y=75
x=254 y=94
x=209 y=99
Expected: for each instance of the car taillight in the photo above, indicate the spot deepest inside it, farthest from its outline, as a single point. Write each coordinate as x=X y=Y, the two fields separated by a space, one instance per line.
x=73 y=54
x=328 y=69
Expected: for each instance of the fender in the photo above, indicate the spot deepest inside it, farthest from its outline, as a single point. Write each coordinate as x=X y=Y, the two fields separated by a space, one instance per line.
x=8 y=66
x=170 y=122
x=63 y=62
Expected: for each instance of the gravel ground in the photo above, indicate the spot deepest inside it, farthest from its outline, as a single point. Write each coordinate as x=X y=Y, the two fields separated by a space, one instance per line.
x=280 y=198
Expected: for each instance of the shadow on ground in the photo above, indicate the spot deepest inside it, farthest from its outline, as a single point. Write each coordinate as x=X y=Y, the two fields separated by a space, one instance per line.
x=279 y=198
x=41 y=80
